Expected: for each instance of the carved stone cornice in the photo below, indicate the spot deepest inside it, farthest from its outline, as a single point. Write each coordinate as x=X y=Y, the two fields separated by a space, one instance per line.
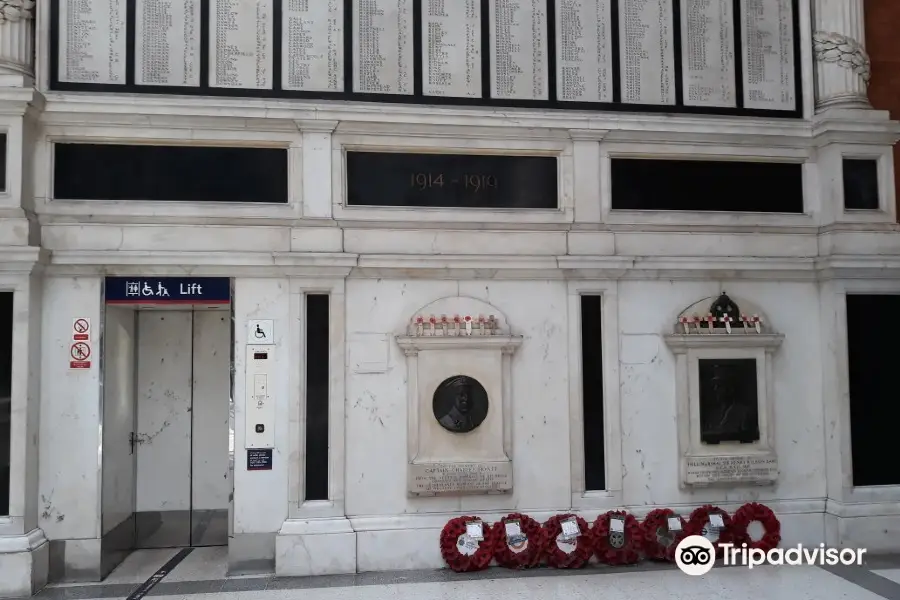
x=832 y=47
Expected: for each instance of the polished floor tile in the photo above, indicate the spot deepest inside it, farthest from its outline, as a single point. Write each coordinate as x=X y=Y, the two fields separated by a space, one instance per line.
x=202 y=564
x=139 y=566
x=892 y=574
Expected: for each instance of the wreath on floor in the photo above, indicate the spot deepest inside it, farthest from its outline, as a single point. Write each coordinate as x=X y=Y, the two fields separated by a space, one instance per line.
x=519 y=552
x=617 y=547
x=567 y=554
x=461 y=552
x=759 y=513
x=698 y=524
x=659 y=541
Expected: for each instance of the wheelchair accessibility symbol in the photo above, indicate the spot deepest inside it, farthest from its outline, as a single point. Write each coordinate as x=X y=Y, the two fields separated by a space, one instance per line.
x=260 y=332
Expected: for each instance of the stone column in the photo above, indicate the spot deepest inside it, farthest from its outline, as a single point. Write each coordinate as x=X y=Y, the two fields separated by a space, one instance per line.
x=842 y=64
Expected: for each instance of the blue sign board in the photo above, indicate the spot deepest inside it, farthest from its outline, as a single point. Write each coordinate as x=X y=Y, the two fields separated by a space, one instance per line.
x=168 y=290
x=259 y=459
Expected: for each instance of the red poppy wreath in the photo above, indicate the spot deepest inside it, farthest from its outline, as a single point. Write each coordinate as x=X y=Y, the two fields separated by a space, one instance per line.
x=617 y=538
x=660 y=540
x=758 y=513
x=699 y=523
x=463 y=553
x=565 y=551
x=520 y=541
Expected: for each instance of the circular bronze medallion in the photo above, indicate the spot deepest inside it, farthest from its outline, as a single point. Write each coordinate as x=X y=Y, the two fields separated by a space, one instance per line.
x=617 y=539
x=460 y=404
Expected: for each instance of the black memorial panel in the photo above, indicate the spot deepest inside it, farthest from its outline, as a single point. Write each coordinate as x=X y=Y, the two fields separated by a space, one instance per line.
x=318 y=375
x=729 y=407
x=4 y=153
x=707 y=186
x=873 y=359
x=592 y=55
x=860 y=184
x=6 y=353
x=592 y=392
x=451 y=180
x=170 y=173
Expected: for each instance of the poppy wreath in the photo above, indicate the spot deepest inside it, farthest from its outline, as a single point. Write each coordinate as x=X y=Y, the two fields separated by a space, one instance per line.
x=456 y=560
x=625 y=549
x=535 y=541
x=658 y=520
x=699 y=520
x=582 y=548
x=763 y=515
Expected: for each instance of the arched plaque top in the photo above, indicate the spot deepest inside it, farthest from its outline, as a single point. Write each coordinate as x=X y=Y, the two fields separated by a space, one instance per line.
x=722 y=313
x=461 y=309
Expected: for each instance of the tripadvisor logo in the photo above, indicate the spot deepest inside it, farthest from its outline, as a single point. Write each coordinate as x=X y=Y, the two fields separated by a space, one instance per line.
x=696 y=555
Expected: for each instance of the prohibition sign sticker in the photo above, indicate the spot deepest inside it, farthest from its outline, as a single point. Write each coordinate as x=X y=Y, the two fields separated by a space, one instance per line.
x=81 y=326
x=80 y=351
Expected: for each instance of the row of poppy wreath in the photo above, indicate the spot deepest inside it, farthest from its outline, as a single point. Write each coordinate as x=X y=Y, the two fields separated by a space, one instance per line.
x=567 y=542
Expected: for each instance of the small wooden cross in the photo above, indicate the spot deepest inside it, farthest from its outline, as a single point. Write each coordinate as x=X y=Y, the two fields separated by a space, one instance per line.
x=757 y=323
x=456 y=324
x=468 y=325
x=433 y=322
x=420 y=325
x=686 y=323
x=710 y=319
x=727 y=320
x=745 y=321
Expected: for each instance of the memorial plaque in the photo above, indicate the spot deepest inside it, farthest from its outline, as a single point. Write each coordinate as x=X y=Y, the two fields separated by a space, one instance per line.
x=451 y=48
x=451 y=180
x=460 y=478
x=729 y=409
x=92 y=41
x=707 y=53
x=241 y=43
x=767 y=30
x=167 y=42
x=731 y=469
x=584 y=51
x=383 y=46
x=519 y=49
x=647 y=51
x=312 y=41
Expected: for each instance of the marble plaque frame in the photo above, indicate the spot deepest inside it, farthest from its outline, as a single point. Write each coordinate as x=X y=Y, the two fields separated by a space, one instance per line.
x=689 y=349
x=430 y=360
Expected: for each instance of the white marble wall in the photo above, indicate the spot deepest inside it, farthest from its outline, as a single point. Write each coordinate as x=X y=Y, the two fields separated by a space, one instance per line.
x=261 y=497
x=70 y=416
x=377 y=403
x=648 y=309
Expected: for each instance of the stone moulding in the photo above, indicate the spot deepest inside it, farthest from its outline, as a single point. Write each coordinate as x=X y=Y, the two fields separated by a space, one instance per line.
x=832 y=47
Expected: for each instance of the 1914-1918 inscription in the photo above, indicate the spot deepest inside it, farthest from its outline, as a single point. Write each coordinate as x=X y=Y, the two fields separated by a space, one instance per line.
x=460 y=478
x=709 y=470
x=451 y=180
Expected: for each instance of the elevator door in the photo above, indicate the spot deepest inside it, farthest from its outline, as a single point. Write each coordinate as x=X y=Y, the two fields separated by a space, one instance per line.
x=181 y=439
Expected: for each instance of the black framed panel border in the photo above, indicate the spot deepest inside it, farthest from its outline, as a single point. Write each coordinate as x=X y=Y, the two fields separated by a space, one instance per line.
x=418 y=98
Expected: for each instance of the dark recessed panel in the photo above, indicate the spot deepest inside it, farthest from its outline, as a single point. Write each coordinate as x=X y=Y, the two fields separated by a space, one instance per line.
x=729 y=406
x=592 y=392
x=6 y=346
x=689 y=185
x=170 y=173
x=3 y=155
x=318 y=350
x=860 y=184
x=873 y=358
x=451 y=180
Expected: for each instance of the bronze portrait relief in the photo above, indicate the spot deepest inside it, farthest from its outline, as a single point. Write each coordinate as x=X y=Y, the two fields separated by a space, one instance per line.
x=460 y=404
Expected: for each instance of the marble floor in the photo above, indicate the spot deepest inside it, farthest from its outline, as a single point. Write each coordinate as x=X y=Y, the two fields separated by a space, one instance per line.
x=201 y=576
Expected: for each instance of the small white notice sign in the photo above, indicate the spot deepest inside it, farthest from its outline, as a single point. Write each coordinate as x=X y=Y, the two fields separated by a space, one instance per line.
x=513 y=529
x=674 y=524
x=261 y=332
x=616 y=525
x=475 y=530
x=715 y=520
x=570 y=528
